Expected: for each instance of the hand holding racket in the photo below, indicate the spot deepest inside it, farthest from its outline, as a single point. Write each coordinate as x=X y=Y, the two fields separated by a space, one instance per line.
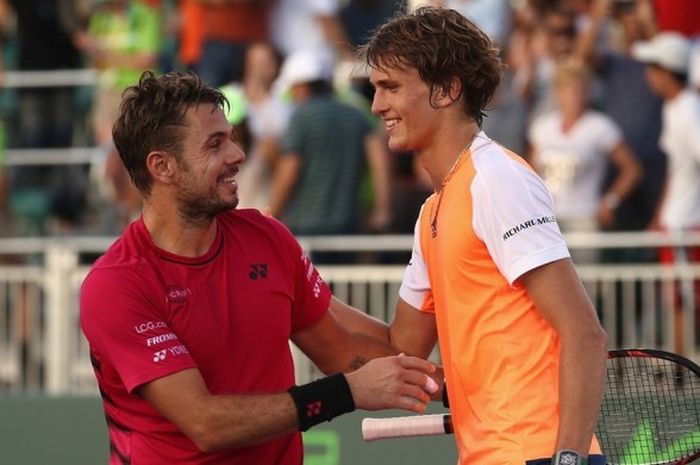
x=650 y=414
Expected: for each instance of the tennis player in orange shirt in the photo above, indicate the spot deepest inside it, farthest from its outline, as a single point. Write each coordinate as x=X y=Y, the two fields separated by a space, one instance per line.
x=490 y=278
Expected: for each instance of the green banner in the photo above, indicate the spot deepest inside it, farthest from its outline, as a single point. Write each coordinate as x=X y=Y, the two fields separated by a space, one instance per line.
x=72 y=431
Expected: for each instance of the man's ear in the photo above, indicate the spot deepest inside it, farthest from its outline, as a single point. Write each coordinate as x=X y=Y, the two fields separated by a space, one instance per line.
x=162 y=166
x=444 y=96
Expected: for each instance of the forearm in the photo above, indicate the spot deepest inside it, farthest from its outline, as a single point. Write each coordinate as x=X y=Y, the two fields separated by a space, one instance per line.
x=354 y=348
x=372 y=336
x=585 y=47
x=216 y=422
x=238 y=420
x=285 y=177
x=629 y=169
x=581 y=378
x=356 y=321
x=363 y=348
x=557 y=292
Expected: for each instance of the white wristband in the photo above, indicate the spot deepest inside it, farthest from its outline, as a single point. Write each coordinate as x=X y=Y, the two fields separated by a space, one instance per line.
x=611 y=200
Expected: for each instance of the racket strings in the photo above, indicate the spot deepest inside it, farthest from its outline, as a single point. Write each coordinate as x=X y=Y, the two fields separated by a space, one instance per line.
x=650 y=412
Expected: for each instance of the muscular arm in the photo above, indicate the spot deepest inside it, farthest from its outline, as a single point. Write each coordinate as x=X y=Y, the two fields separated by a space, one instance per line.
x=219 y=422
x=411 y=332
x=556 y=290
x=415 y=333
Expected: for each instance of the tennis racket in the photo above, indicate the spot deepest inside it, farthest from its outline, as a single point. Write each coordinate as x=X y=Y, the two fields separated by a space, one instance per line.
x=650 y=414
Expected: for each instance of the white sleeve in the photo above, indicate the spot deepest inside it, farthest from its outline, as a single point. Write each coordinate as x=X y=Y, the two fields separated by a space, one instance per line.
x=609 y=134
x=415 y=285
x=323 y=7
x=534 y=131
x=514 y=216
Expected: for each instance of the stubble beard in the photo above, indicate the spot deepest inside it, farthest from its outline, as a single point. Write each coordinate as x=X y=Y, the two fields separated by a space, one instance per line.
x=201 y=210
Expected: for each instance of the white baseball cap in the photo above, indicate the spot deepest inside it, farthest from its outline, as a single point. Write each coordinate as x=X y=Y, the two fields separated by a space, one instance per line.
x=305 y=66
x=670 y=50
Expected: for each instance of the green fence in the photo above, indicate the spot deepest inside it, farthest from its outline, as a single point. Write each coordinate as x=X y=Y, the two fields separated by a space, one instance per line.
x=38 y=430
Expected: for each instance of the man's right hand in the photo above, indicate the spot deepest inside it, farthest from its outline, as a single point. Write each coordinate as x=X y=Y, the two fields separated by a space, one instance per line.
x=393 y=382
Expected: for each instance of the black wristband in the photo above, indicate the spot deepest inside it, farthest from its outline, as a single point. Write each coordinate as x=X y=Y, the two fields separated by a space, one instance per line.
x=445 y=399
x=322 y=400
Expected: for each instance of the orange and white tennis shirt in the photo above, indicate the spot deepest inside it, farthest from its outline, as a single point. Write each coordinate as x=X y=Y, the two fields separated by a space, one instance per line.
x=494 y=222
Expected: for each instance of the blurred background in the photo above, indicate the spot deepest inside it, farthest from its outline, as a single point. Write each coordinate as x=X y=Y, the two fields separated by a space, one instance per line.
x=65 y=196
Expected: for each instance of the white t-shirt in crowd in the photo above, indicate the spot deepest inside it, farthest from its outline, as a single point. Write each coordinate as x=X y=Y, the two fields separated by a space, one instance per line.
x=294 y=24
x=680 y=139
x=573 y=163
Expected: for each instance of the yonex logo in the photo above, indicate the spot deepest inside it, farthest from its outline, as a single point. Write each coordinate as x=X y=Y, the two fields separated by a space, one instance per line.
x=159 y=356
x=314 y=409
x=258 y=270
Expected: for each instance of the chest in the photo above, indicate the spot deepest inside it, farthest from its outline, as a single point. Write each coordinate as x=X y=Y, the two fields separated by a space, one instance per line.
x=449 y=241
x=227 y=309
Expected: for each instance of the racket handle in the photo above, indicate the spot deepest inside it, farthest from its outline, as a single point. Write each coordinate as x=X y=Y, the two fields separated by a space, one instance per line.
x=419 y=425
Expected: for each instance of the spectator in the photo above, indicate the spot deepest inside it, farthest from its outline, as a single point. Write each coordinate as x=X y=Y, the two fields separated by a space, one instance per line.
x=546 y=38
x=571 y=147
x=627 y=98
x=492 y=16
x=309 y=25
x=508 y=114
x=316 y=184
x=191 y=33
x=694 y=70
x=123 y=39
x=45 y=35
x=360 y=17
x=667 y=56
x=266 y=117
x=228 y=27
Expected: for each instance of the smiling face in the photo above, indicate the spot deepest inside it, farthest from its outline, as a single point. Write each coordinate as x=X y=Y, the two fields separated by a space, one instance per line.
x=209 y=162
x=402 y=101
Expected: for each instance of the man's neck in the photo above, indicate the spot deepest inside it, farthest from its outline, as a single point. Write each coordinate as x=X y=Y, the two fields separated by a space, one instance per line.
x=170 y=232
x=440 y=158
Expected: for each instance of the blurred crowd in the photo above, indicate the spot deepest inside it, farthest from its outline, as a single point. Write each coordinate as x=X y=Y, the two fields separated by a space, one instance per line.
x=587 y=97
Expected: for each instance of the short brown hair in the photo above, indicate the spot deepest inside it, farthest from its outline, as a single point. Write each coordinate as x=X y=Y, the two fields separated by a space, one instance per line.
x=440 y=44
x=151 y=117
